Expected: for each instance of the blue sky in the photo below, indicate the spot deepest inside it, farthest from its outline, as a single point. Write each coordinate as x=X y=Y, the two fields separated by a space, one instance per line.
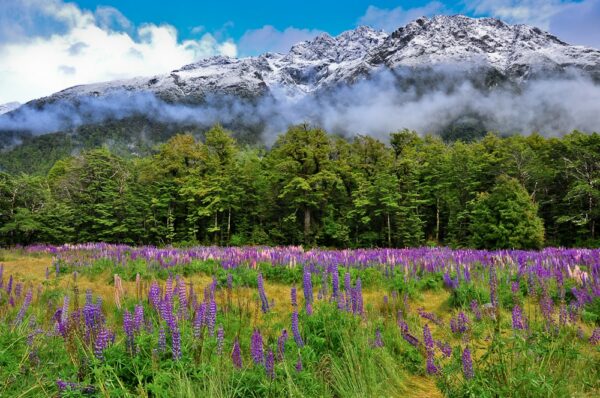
x=237 y=17
x=48 y=45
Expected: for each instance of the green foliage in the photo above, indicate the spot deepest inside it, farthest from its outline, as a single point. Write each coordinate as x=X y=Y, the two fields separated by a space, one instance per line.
x=516 y=366
x=505 y=218
x=309 y=188
x=465 y=293
x=591 y=311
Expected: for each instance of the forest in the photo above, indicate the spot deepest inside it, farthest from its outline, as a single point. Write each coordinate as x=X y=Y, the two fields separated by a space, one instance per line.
x=313 y=189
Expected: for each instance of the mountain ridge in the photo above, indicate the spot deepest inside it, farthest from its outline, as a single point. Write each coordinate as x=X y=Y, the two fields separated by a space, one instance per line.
x=519 y=52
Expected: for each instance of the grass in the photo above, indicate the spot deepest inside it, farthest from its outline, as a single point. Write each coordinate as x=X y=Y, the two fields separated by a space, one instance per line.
x=339 y=357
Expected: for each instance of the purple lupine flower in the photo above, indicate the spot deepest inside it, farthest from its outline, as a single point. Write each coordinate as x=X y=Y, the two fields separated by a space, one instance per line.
x=162 y=340
x=176 y=343
x=270 y=365
x=33 y=357
x=445 y=348
x=453 y=325
x=220 y=338
x=256 y=348
x=167 y=314
x=18 y=289
x=89 y=299
x=493 y=287
x=309 y=309
x=24 y=306
x=102 y=340
x=298 y=366
x=358 y=296
x=348 y=291
x=168 y=289
x=562 y=315
x=154 y=295
x=517 y=318
x=183 y=300
x=213 y=286
x=412 y=340
x=431 y=368
x=295 y=330
x=462 y=322
x=281 y=344
x=324 y=285
x=402 y=325
x=128 y=328
x=595 y=337
x=229 y=281
x=89 y=317
x=429 y=348
x=378 y=342
x=467 y=364
x=347 y=282
x=64 y=315
x=261 y=293
x=138 y=317
x=199 y=320
x=475 y=309
x=62 y=385
x=211 y=316
x=294 y=296
x=236 y=354
x=573 y=313
x=335 y=283
x=547 y=307
x=307 y=285
x=427 y=338
x=430 y=316
x=514 y=287
x=447 y=280
x=9 y=285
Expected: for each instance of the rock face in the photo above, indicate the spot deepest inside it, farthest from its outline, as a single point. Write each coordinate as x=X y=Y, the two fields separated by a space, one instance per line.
x=514 y=53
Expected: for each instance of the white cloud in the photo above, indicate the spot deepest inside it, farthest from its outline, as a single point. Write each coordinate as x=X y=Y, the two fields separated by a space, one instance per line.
x=578 y=23
x=54 y=45
x=391 y=19
x=269 y=38
x=532 y=12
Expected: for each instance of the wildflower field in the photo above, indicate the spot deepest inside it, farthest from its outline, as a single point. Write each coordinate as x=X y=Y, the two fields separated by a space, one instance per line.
x=117 y=321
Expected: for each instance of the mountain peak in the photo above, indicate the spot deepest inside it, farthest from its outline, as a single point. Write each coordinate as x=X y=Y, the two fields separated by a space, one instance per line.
x=511 y=52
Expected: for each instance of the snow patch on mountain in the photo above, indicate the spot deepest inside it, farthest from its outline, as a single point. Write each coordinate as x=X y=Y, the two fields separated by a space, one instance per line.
x=9 y=107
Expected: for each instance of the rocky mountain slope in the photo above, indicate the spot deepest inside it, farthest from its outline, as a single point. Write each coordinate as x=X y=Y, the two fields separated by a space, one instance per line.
x=513 y=52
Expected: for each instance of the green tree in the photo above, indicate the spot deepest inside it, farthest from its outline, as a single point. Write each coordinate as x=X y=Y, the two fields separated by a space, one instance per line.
x=582 y=169
x=505 y=218
x=303 y=174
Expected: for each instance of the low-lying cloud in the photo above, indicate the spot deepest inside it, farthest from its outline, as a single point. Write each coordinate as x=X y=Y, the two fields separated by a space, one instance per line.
x=376 y=106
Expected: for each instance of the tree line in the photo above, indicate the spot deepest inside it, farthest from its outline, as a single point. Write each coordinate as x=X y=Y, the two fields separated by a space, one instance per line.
x=317 y=189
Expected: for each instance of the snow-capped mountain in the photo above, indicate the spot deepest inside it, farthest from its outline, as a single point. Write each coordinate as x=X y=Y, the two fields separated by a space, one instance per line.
x=515 y=52
x=8 y=107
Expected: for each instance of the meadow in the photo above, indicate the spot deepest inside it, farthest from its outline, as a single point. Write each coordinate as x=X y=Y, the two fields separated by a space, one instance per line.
x=101 y=320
